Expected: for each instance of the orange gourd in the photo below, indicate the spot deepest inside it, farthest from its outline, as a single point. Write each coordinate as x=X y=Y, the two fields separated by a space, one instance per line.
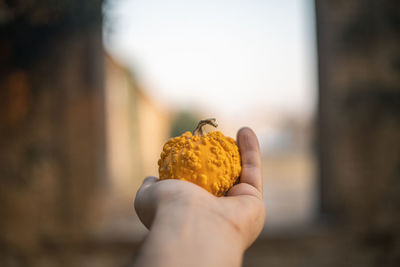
x=210 y=160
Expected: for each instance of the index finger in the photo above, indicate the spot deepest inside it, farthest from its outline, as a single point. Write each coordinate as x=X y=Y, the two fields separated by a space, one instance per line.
x=250 y=156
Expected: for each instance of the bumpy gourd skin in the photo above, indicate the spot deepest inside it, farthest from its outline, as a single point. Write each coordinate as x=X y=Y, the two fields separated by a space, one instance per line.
x=211 y=161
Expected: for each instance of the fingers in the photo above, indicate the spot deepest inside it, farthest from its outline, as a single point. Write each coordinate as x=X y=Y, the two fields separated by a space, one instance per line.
x=244 y=189
x=144 y=204
x=148 y=181
x=250 y=155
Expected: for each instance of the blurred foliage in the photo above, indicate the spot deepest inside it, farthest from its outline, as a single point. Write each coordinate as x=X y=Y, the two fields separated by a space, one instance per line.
x=183 y=121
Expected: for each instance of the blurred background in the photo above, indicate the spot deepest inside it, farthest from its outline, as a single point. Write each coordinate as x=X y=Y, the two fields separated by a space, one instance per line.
x=90 y=92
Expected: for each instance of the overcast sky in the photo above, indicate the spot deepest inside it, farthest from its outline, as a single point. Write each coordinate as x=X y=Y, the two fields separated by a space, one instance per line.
x=230 y=57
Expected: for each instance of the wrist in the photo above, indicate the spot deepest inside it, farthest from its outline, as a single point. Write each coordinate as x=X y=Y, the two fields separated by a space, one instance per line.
x=199 y=216
x=194 y=233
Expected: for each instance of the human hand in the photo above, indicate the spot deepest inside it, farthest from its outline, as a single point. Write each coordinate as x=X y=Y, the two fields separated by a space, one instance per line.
x=239 y=216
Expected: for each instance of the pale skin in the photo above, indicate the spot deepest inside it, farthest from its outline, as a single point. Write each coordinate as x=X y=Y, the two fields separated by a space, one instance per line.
x=191 y=227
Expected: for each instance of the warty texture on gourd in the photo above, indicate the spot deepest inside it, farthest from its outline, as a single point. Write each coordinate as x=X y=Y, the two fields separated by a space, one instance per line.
x=210 y=160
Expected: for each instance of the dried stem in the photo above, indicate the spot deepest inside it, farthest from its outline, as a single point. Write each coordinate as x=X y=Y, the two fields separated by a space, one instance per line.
x=199 y=129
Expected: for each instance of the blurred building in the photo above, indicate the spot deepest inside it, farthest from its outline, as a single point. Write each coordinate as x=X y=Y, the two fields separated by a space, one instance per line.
x=52 y=152
x=136 y=129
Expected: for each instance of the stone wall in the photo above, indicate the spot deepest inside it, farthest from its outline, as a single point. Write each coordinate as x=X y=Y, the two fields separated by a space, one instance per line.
x=51 y=127
x=359 y=108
